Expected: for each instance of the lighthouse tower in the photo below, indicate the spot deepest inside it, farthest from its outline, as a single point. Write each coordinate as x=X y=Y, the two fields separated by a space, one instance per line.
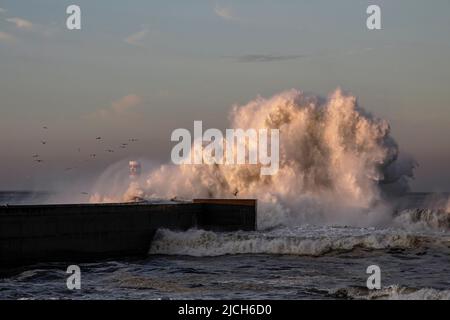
x=135 y=169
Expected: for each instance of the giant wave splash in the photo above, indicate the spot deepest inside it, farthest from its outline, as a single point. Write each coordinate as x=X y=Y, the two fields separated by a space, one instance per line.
x=335 y=161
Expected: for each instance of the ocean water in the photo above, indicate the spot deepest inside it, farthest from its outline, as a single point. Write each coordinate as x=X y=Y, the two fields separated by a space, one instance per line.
x=307 y=262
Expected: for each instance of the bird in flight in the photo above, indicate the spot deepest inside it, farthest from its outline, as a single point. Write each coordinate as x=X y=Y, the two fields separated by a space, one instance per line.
x=133 y=139
x=39 y=160
x=44 y=142
x=93 y=155
x=44 y=127
x=109 y=150
x=98 y=138
x=35 y=156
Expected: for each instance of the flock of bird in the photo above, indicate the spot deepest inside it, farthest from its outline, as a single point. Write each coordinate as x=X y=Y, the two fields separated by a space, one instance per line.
x=38 y=159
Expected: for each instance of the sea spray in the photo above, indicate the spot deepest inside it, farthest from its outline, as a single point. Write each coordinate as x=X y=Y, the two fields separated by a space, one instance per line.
x=335 y=161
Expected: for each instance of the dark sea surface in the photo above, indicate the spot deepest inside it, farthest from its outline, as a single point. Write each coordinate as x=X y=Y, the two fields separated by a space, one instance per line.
x=307 y=262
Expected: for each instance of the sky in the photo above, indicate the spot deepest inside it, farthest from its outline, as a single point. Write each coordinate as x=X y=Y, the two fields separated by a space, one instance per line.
x=140 y=69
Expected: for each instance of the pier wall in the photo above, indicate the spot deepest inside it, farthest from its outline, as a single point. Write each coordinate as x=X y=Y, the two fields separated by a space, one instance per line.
x=83 y=232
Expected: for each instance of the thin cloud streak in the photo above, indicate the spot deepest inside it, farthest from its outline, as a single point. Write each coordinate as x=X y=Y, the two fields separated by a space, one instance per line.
x=21 y=23
x=267 y=57
x=26 y=25
x=225 y=13
x=121 y=107
x=278 y=57
x=137 y=38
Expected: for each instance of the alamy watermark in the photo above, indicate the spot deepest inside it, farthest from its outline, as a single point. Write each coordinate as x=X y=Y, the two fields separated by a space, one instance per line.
x=238 y=146
x=374 y=280
x=74 y=280
x=73 y=21
x=373 y=21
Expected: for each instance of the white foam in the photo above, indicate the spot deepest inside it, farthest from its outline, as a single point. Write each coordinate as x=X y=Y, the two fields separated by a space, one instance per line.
x=394 y=292
x=308 y=240
x=423 y=219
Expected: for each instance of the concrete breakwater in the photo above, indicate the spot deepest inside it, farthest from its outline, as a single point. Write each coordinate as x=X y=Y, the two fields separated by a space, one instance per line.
x=83 y=232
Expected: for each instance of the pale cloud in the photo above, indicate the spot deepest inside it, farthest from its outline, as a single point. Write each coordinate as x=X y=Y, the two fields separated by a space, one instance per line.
x=224 y=13
x=21 y=23
x=121 y=107
x=126 y=102
x=37 y=29
x=268 y=57
x=2 y=10
x=6 y=36
x=137 y=38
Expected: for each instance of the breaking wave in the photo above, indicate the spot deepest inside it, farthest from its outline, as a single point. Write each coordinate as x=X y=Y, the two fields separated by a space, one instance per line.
x=423 y=219
x=301 y=241
x=394 y=292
